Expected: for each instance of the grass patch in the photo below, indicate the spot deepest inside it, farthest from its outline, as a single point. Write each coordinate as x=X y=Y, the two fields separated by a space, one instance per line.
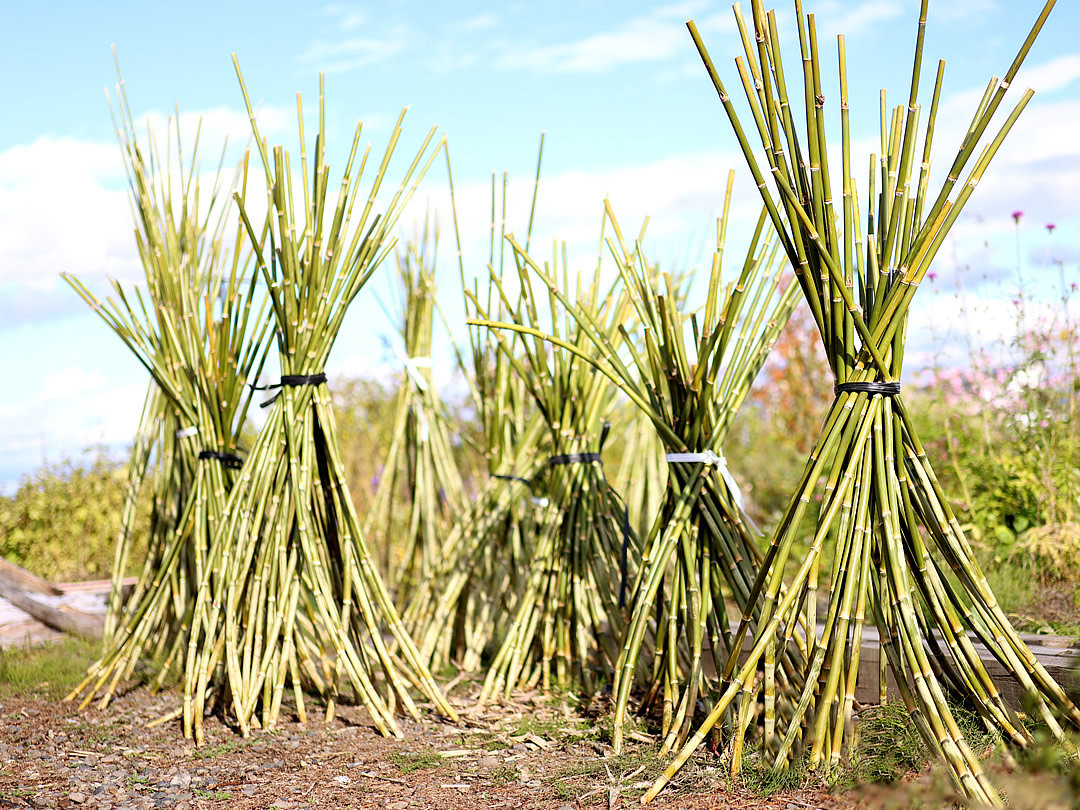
x=409 y=761
x=888 y=746
x=548 y=727
x=504 y=775
x=213 y=795
x=50 y=670
x=218 y=750
x=764 y=780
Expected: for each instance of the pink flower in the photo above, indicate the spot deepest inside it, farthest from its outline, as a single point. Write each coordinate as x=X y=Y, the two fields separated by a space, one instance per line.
x=1050 y=227
x=1016 y=216
x=932 y=276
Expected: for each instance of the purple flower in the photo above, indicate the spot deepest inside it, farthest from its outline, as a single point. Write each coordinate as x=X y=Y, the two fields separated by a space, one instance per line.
x=1050 y=227
x=1016 y=216
x=933 y=276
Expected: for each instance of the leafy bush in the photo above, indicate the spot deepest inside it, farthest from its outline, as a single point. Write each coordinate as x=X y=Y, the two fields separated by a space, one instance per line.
x=62 y=521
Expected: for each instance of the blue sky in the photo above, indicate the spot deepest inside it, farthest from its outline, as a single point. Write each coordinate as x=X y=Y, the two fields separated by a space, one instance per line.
x=618 y=88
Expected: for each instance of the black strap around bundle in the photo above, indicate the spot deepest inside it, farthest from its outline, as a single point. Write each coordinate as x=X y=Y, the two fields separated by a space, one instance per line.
x=574 y=458
x=583 y=458
x=290 y=380
x=233 y=462
x=885 y=389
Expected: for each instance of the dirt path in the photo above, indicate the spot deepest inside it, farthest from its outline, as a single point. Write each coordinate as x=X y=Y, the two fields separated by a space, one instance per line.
x=527 y=754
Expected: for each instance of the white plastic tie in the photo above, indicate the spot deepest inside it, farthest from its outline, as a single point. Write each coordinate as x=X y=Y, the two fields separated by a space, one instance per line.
x=412 y=366
x=715 y=460
x=187 y=432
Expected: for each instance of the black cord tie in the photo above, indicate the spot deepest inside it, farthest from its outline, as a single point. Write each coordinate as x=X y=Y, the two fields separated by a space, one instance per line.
x=289 y=380
x=526 y=481
x=230 y=460
x=885 y=389
x=623 y=566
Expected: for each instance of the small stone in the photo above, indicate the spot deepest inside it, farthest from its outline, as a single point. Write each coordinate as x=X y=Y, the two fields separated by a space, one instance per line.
x=487 y=763
x=341 y=779
x=181 y=780
x=534 y=783
x=397 y=806
x=249 y=790
x=78 y=798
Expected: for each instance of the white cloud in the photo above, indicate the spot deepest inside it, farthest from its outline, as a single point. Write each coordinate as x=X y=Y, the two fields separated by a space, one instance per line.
x=654 y=37
x=479 y=22
x=853 y=20
x=348 y=18
x=1056 y=74
x=353 y=53
x=64 y=202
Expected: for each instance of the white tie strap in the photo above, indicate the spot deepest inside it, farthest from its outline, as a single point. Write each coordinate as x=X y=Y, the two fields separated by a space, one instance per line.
x=715 y=460
x=412 y=366
x=187 y=432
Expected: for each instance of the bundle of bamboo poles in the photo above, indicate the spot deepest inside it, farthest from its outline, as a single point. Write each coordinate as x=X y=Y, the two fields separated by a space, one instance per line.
x=420 y=491
x=464 y=610
x=288 y=590
x=699 y=550
x=571 y=613
x=900 y=558
x=201 y=331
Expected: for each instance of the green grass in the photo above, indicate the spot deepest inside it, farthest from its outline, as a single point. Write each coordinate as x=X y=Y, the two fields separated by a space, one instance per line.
x=504 y=775
x=214 y=795
x=549 y=728
x=50 y=670
x=764 y=781
x=888 y=747
x=409 y=761
x=218 y=750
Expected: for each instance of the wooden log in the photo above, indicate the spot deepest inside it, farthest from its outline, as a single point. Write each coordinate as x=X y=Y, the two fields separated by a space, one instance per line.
x=66 y=620
x=25 y=581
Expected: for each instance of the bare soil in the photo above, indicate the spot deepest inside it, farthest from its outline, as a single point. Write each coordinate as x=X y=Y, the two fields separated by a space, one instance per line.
x=532 y=752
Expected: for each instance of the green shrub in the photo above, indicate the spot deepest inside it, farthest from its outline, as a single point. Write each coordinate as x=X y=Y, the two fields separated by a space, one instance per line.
x=62 y=521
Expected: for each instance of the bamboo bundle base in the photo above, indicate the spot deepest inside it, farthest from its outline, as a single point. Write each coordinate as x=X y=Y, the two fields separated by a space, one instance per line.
x=903 y=565
x=291 y=594
x=569 y=619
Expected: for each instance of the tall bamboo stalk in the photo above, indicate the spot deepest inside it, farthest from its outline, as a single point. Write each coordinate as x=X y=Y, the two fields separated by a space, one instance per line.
x=901 y=560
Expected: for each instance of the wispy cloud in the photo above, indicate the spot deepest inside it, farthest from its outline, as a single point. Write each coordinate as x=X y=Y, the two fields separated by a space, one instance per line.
x=654 y=37
x=353 y=53
x=346 y=17
x=1057 y=74
x=479 y=22
x=852 y=19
